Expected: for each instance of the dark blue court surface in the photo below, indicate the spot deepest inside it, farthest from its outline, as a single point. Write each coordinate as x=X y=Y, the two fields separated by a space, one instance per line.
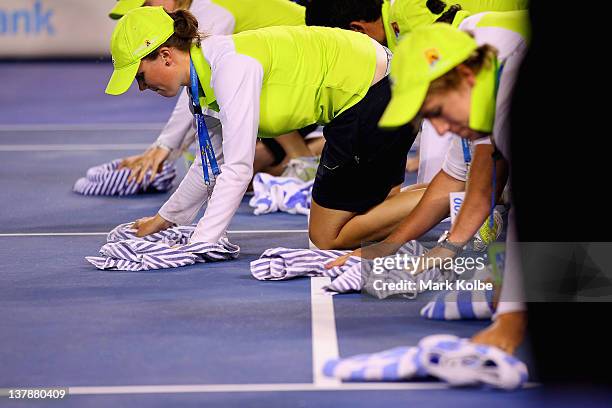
x=206 y=335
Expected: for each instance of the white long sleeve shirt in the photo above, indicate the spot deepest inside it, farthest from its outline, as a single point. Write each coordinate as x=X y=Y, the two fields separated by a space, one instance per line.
x=223 y=17
x=259 y=87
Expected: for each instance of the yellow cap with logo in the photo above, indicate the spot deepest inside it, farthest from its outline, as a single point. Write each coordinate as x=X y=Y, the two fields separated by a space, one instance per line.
x=123 y=6
x=425 y=55
x=411 y=14
x=137 y=34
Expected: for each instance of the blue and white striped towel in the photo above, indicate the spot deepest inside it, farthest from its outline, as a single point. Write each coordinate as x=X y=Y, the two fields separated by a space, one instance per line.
x=355 y=275
x=448 y=358
x=286 y=194
x=165 y=249
x=460 y=305
x=107 y=180
x=397 y=364
x=400 y=282
x=177 y=235
x=285 y=263
x=464 y=304
x=460 y=362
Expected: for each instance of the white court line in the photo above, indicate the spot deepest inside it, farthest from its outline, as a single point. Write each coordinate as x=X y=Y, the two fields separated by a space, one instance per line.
x=281 y=387
x=76 y=234
x=45 y=127
x=324 y=338
x=72 y=147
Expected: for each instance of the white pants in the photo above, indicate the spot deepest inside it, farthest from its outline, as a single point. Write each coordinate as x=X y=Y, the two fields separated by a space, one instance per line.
x=512 y=297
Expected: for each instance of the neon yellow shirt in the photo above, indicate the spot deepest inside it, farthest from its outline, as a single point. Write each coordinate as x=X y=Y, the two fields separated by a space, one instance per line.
x=275 y=79
x=254 y=14
x=410 y=14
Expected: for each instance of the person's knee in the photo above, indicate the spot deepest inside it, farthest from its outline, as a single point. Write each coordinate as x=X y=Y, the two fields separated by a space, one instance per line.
x=320 y=241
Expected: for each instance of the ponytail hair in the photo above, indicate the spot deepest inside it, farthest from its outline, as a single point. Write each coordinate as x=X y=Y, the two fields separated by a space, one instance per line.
x=185 y=33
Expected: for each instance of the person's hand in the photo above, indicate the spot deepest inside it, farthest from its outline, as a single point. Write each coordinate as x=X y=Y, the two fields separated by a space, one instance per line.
x=437 y=257
x=377 y=250
x=129 y=161
x=341 y=260
x=153 y=159
x=150 y=225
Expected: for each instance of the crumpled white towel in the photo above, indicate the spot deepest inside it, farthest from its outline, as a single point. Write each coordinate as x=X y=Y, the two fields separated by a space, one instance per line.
x=107 y=180
x=286 y=194
x=356 y=274
x=165 y=249
x=456 y=361
x=460 y=362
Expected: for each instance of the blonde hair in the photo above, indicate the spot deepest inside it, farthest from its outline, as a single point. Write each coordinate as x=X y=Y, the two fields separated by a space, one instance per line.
x=481 y=58
x=182 y=4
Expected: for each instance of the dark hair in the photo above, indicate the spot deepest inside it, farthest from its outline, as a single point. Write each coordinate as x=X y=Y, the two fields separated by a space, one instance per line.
x=340 y=13
x=449 y=15
x=436 y=6
x=185 y=33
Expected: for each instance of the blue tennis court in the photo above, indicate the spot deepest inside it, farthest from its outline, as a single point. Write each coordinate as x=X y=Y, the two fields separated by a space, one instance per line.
x=203 y=335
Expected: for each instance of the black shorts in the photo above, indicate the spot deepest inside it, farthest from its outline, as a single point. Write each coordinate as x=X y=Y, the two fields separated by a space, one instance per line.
x=361 y=163
x=277 y=150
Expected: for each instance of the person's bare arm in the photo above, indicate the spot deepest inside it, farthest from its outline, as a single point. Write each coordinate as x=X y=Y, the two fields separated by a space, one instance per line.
x=477 y=203
x=432 y=208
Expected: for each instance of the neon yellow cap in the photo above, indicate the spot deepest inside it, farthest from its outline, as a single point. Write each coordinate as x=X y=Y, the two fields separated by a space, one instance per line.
x=411 y=14
x=389 y=31
x=137 y=34
x=123 y=6
x=425 y=55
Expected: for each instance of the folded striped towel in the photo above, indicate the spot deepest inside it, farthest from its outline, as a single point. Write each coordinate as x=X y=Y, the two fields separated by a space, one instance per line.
x=460 y=305
x=355 y=275
x=448 y=358
x=464 y=304
x=165 y=249
x=108 y=180
x=177 y=235
x=286 y=194
x=285 y=263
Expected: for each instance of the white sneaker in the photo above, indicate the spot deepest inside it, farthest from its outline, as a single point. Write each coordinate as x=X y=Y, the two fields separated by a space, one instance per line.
x=303 y=168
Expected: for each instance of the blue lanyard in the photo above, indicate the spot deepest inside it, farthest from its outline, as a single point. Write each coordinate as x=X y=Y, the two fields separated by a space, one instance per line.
x=467 y=155
x=207 y=153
